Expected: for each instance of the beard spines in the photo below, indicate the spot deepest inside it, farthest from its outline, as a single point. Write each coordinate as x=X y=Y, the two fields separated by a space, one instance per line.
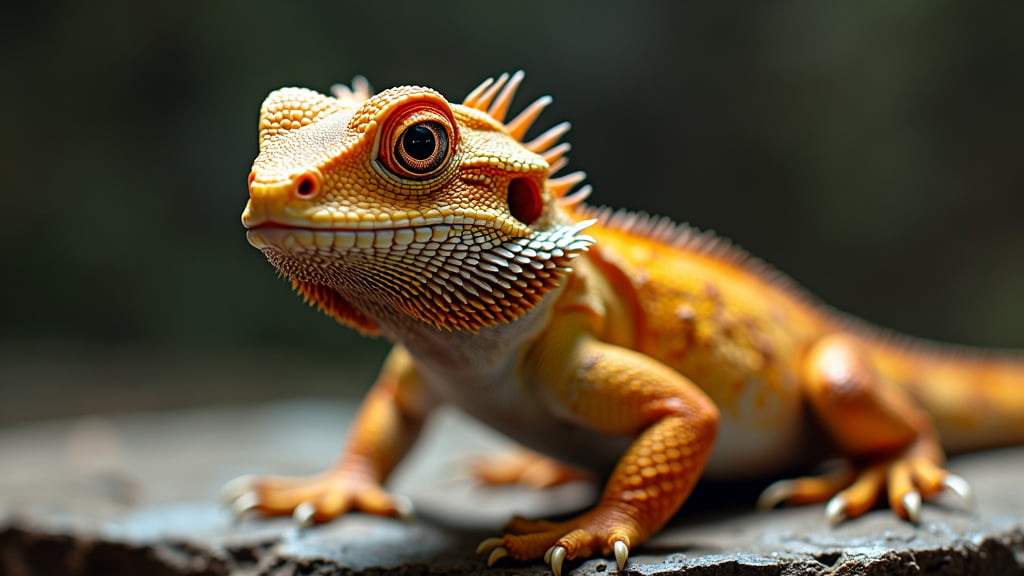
x=467 y=282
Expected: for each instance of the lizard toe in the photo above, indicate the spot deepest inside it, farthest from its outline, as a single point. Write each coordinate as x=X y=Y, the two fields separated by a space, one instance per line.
x=907 y=480
x=596 y=532
x=313 y=499
x=859 y=497
x=807 y=490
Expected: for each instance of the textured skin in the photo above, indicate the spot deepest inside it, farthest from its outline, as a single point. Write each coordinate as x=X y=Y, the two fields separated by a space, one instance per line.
x=642 y=350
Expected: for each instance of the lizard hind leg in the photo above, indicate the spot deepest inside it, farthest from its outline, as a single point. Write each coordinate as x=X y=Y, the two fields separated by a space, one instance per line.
x=888 y=440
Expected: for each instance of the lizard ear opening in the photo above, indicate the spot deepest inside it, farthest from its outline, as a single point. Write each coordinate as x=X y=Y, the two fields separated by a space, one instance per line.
x=524 y=200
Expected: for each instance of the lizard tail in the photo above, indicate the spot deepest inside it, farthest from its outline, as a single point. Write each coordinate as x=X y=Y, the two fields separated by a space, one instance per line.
x=975 y=398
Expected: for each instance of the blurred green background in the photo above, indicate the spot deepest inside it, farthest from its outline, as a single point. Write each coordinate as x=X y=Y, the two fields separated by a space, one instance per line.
x=871 y=150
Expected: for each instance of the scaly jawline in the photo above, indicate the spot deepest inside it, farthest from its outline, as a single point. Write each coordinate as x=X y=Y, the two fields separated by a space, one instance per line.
x=300 y=237
x=466 y=218
x=386 y=237
x=370 y=234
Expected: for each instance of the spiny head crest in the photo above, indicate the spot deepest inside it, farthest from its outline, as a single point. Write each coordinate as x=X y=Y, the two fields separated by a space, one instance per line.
x=494 y=97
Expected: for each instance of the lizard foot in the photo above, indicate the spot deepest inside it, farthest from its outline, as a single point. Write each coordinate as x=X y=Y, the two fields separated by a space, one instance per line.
x=851 y=491
x=312 y=499
x=526 y=468
x=604 y=530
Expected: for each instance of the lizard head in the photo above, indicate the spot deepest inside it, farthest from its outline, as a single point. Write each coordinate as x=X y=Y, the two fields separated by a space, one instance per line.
x=403 y=205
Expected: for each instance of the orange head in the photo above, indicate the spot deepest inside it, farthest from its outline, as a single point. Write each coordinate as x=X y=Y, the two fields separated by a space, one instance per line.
x=403 y=206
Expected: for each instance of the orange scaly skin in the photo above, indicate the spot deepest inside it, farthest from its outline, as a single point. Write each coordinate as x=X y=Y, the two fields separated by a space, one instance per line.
x=623 y=344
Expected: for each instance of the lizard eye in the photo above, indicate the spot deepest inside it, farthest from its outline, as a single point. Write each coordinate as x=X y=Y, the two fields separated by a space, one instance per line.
x=417 y=141
x=422 y=148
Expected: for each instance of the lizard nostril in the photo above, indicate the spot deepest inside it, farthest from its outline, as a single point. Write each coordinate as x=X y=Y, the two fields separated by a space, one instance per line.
x=524 y=201
x=306 y=187
x=308 y=184
x=252 y=178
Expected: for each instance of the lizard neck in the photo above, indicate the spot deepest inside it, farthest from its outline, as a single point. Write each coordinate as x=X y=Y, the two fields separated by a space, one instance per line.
x=482 y=354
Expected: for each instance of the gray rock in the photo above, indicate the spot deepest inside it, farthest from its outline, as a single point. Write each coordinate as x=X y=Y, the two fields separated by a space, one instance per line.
x=136 y=494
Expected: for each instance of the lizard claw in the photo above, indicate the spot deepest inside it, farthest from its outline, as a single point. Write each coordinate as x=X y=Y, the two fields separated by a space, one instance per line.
x=776 y=493
x=496 y=554
x=404 y=507
x=912 y=504
x=958 y=486
x=495 y=547
x=489 y=544
x=621 y=553
x=243 y=504
x=303 y=514
x=235 y=489
x=555 y=557
x=835 y=510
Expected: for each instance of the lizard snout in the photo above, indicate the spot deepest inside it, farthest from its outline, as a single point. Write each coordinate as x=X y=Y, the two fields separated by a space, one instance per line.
x=281 y=200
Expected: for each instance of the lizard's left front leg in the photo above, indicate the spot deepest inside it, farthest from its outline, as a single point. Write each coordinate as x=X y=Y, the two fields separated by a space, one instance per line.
x=617 y=391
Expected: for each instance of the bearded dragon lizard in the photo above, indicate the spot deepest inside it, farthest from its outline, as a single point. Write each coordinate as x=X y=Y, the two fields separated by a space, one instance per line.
x=626 y=344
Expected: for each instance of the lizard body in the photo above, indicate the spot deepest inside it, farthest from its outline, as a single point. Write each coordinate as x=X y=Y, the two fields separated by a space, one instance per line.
x=629 y=345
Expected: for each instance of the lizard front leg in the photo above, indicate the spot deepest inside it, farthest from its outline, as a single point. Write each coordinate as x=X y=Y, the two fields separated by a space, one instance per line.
x=889 y=440
x=388 y=422
x=617 y=391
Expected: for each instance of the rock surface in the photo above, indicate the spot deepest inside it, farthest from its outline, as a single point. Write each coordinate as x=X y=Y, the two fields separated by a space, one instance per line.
x=136 y=494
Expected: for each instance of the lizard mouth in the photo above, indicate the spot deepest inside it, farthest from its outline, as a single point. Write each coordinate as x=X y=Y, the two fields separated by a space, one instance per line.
x=398 y=231
x=295 y=238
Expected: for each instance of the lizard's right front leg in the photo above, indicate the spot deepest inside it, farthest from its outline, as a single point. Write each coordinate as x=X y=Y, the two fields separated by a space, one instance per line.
x=615 y=391
x=388 y=422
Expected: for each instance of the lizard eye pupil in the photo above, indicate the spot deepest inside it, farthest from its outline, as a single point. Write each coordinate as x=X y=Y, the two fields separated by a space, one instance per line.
x=422 y=148
x=418 y=142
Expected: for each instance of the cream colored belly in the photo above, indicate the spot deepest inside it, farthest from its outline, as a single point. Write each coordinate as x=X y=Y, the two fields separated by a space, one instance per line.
x=764 y=431
x=744 y=450
x=750 y=443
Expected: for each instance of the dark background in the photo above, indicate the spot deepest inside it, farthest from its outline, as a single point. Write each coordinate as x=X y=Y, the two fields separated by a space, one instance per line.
x=871 y=150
